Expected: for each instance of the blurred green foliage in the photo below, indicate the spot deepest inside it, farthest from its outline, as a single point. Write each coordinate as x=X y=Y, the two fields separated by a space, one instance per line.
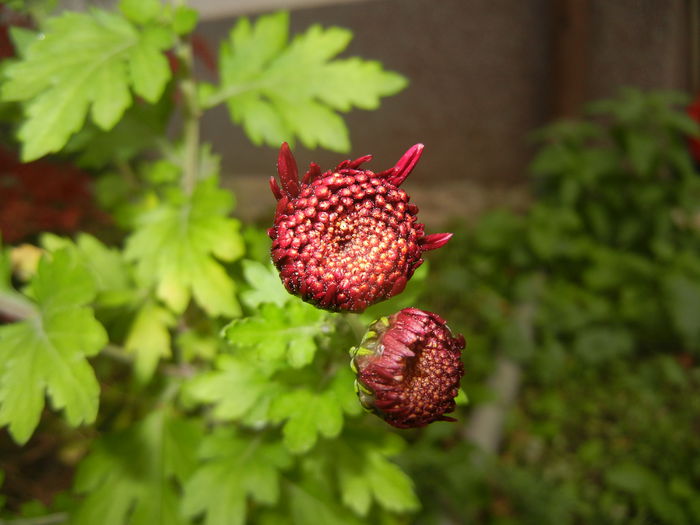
x=221 y=399
x=595 y=291
x=185 y=385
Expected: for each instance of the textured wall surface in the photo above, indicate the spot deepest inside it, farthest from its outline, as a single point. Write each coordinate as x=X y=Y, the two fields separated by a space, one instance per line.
x=481 y=74
x=476 y=70
x=639 y=43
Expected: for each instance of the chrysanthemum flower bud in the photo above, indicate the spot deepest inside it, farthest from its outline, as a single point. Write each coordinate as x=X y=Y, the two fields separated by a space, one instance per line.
x=347 y=238
x=409 y=368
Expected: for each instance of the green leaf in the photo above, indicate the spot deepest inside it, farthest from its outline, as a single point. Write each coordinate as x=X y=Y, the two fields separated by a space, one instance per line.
x=307 y=415
x=21 y=39
x=184 y=19
x=140 y=11
x=106 y=266
x=83 y=62
x=149 y=339
x=235 y=387
x=279 y=333
x=266 y=286
x=683 y=298
x=599 y=343
x=5 y=269
x=175 y=245
x=313 y=503
x=278 y=89
x=139 y=129
x=128 y=476
x=47 y=353
x=233 y=469
x=148 y=68
x=365 y=474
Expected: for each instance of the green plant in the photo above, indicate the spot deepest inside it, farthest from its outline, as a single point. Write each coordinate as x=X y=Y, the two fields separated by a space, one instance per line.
x=594 y=291
x=167 y=421
x=605 y=260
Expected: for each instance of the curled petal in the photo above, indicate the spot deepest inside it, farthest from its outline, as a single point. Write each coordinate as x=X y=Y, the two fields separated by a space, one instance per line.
x=434 y=241
x=354 y=164
x=409 y=368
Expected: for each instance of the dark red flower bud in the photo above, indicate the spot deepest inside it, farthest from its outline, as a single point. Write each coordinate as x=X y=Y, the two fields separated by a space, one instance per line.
x=347 y=238
x=408 y=368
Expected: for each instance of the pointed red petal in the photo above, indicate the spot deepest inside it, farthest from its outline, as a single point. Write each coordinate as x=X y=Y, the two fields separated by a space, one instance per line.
x=287 y=170
x=357 y=162
x=275 y=188
x=405 y=165
x=314 y=171
x=434 y=241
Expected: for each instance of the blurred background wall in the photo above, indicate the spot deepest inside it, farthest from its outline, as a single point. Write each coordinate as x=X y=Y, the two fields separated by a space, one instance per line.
x=483 y=74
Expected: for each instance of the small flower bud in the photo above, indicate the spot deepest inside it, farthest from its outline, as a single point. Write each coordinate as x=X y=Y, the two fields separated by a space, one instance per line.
x=409 y=368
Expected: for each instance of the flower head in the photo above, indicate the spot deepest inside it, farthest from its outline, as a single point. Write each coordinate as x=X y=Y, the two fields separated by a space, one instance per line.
x=409 y=368
x=347 y=238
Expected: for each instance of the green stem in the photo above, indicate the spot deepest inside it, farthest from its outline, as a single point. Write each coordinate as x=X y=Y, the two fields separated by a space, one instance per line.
x=15 y=306
x=223 y=94
x=49 y=519
x=192 y=113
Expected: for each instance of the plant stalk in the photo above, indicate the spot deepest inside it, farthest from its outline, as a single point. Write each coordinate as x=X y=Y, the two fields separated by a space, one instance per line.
x=15 y=307
x=191 y=114
x=48 y=519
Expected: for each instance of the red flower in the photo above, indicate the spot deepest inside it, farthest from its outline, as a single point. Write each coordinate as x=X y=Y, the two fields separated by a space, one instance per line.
x=347 y=238
x=408 y=368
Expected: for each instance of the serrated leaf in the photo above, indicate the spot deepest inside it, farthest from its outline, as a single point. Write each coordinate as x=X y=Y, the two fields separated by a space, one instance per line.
x=175 y=247
x=149 y=339
x=279 y=333
x=392 y=488
x=139 y=128
x=235 y=387
x=307 y=415
x=106 y=266
x=365 y=474
x=312 y=503
x=46 y=354
x=278 y=89
x=148 y=68
x=265 y=284
x=233 y=470
x=128 y=476
x=83 y=62
x=184 y=19
x=140 y=11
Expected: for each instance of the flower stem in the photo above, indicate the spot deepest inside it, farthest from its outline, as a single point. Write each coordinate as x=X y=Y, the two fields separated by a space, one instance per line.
x=15 y=307
x=192 y=113
x=48 y=519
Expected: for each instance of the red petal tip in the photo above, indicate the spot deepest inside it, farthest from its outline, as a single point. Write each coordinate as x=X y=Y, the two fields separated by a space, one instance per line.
x=313 y=172
x=275 y=188
x=435 y=241
x=287 y=170
x=359 y=161
x=405 y=165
